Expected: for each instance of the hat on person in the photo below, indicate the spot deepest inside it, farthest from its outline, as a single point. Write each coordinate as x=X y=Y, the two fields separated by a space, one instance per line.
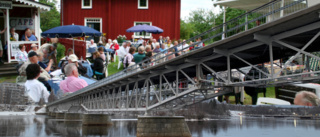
x=32 y=53
x=100 y=42
x=73 y=58
x=33 y=45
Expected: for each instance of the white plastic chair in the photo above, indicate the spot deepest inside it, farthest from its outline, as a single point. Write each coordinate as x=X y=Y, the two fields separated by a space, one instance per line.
x=120 y=62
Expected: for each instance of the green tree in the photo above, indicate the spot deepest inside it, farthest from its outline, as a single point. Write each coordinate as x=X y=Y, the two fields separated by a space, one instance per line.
x=49 y=19
x=186 y=30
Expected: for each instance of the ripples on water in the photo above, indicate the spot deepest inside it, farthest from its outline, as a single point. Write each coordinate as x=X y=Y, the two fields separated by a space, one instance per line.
x=42 y=126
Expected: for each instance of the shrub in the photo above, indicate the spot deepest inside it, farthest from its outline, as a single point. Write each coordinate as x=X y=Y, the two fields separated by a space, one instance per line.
x=60 y=52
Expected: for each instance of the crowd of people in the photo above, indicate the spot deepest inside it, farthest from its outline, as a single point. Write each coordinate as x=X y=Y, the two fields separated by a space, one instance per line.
x=143 y=49
x=28 y=35
x=36 y=66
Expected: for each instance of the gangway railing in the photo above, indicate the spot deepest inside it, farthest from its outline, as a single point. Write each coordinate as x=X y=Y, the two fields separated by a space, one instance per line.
x=252 y=19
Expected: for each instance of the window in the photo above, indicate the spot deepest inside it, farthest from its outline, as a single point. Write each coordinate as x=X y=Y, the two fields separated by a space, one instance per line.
x=142 y=34
x=143 y=4
x=86 y=4
x=95 y=23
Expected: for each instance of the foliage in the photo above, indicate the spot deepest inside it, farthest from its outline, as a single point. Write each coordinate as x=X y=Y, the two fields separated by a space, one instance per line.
x=201 y=20
x=121 y=38
x=60 y=52
x=49 y=19
x=186 y=30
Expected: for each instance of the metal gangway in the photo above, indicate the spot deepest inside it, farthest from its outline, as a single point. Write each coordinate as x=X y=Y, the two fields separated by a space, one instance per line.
x=284 y=30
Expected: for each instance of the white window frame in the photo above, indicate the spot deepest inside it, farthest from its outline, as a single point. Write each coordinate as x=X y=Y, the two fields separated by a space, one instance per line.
x=86 y=21
x=138 y=36
x=86 y=7
x=147 y=7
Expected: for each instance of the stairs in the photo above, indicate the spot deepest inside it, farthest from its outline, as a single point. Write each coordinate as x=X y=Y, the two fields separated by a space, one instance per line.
x=8 y=69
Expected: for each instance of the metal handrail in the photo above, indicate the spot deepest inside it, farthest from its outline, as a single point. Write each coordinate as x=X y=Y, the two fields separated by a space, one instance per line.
x=218 y=32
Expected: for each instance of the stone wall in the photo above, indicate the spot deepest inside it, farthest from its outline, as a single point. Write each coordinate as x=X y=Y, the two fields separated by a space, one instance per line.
x=162 y=127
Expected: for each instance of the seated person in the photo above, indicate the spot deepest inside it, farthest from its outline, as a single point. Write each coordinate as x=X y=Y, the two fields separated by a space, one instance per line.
x=306 y=98
x=157 y=48
x=34 y=88
x=28 y=36
x=44 y=75
x=64 y=60
x=74 y=59
x=98 y=63
x=13 y=35
x=102 y=55
x=123 y=51
x=147 y=59
x=171 y=53
x=22 y=55
x=163 y=48
x=34 y=47
x=92 y=46
x=42 y=65
x=148 y=49
x=73 y=82
x=113 y=48
x=140 y=55
x=100 y=44
x=129 y=57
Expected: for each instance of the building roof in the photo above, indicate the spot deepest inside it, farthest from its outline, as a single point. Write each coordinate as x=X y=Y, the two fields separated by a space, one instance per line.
x=247 y=5
x=35 y=4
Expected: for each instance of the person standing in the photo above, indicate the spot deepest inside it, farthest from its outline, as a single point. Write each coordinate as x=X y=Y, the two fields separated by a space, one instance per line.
x=1 y=48
x=160 y=40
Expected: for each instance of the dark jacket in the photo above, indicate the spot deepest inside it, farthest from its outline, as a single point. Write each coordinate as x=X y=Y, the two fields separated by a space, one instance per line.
x=98 y=65
x=81 y=70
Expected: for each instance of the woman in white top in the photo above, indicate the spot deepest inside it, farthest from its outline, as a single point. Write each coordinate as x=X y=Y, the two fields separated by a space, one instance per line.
x=109 y=44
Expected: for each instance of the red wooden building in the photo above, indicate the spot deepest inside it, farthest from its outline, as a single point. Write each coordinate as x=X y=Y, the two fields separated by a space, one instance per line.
x=114 y=17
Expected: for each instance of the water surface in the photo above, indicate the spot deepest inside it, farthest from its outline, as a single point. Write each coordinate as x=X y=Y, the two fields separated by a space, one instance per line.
x=43 y=126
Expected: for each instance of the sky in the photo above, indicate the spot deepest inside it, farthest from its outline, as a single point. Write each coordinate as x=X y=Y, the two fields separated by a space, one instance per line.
x=189 y=5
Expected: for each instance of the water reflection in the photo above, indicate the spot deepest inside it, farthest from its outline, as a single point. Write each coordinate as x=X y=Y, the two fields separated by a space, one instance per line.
x=253 y=127
x=233 y=127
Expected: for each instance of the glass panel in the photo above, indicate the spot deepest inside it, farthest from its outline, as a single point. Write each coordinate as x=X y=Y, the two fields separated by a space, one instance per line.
x=86 y=2
x=143 y=3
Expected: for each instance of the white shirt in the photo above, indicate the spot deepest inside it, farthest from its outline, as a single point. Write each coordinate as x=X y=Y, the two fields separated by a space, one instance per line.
x=93 y=45
x=185 y=46
x=122 y=52
x=16 y=36
x=35 y=90
x=108 y=45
